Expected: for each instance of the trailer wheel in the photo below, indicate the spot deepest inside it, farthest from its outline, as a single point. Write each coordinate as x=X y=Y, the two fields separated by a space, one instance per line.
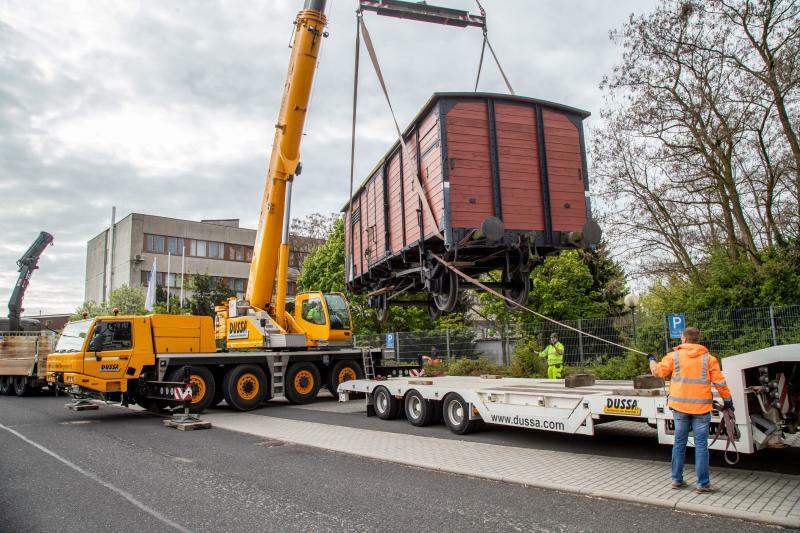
x=6 y=388
x=456 y=415
x=21 y=387
x=203 y=386
x=302 y=383
x=244 y=387
x=419 y=411
x=341 y=372
x=387 y=406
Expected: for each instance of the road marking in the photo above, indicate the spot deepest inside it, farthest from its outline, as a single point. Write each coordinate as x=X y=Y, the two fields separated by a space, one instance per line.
x=128 y=496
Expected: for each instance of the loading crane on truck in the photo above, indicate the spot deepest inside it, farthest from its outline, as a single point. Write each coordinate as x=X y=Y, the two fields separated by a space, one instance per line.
x=27 y=264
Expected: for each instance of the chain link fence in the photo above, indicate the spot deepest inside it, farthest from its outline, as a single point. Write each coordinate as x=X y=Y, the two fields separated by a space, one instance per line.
x=723 y=332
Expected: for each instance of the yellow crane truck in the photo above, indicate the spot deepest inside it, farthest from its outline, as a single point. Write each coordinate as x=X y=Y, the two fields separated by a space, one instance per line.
x=272 y=348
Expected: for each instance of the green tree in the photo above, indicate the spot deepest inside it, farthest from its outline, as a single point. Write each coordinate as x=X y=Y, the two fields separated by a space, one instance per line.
x=207 y=292
x=128 y=300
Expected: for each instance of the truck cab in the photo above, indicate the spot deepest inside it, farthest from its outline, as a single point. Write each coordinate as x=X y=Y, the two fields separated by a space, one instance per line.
x=101 y=355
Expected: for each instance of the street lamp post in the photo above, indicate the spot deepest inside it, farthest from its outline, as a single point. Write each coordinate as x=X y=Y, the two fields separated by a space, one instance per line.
x=632 y=301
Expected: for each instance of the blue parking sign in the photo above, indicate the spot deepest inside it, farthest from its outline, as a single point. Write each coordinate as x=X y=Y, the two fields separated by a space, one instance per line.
x=390 y=340
x=676 y=324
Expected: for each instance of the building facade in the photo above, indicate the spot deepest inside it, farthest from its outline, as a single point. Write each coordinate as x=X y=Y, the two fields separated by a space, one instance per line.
x=218 y=248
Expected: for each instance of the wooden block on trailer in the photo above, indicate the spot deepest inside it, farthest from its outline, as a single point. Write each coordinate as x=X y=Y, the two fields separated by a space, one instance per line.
x=187 y=426
x=579 y=380
x=420 y=382
x=81 y=407
x=647 y=381
x=637 y=392
x=491 y=376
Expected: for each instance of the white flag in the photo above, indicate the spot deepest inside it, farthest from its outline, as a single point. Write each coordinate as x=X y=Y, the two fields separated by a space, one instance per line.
x=150 y=300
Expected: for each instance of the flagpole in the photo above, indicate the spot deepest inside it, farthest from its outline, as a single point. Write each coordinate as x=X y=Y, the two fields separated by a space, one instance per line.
x=183 y=264
x=169 y=258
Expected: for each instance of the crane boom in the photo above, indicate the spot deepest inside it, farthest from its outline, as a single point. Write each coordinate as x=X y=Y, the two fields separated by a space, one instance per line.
x=27 y=264
x=284 y=162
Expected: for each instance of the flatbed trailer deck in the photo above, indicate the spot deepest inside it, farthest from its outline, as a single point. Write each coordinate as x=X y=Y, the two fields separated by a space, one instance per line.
x=765 y=385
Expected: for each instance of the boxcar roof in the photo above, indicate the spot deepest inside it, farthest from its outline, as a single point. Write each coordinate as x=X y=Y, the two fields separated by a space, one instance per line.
x=462 y=96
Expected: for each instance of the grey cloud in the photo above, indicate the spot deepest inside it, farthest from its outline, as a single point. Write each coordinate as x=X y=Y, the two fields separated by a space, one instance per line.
x=203 y=80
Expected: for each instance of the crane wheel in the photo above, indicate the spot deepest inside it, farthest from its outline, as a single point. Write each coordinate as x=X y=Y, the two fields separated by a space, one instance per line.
x=203 y=386
x=21 y=387
x=341 y=372
x=6 y=385
x=244 y=387
x=386 y=406
x=419 y=411
x=455 y=412
x=302 y=383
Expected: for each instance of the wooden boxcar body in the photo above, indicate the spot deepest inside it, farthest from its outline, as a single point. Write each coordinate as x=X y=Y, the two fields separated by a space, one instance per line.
x=506 y=181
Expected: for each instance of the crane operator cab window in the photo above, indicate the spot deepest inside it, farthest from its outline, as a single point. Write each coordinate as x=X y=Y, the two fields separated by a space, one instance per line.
x=108 y=336
x=313 y=311
x=337 y=309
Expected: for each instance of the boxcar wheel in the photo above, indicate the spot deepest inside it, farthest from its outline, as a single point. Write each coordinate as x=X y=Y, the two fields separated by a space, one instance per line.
x=386 y=406
x=433 y=311
x=302 y=383
x=204 y=387
x=244 y=386
x=520 y=287
x=382 y=307
x=455 y=412
x=446 y=298
x=419 y=411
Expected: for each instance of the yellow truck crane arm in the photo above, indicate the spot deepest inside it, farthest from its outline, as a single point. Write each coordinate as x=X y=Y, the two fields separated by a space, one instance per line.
x=271 y=255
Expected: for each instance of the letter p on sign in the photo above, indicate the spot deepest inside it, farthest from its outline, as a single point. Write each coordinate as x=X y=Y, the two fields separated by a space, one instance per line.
x=676 y=324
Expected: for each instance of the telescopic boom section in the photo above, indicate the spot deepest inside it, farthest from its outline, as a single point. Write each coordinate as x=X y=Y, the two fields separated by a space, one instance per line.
x=27 y=264
x=283 y=163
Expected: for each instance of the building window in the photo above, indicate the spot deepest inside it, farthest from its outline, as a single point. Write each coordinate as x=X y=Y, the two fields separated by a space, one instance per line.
x=175 y=245
x=155 y=244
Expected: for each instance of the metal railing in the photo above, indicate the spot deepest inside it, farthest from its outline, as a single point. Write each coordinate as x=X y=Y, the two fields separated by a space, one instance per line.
x=723 y=332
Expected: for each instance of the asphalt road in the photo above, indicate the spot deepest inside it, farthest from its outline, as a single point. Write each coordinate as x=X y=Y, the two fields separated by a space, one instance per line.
x=116 y=469
x=633 y=440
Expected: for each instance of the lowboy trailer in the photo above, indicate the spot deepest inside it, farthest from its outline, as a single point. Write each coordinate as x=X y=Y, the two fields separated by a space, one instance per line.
x=765 y=385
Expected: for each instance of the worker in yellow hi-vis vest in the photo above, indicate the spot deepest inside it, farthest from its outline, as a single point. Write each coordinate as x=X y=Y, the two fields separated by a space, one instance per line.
x=555 y=357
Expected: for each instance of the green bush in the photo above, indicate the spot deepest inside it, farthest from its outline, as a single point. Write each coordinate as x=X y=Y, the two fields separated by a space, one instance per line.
x=474 y=367
x=627 y=366
x=526 y=362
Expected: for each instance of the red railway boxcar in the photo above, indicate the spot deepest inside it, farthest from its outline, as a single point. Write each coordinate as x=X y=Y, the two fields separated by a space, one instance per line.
x=504 y=183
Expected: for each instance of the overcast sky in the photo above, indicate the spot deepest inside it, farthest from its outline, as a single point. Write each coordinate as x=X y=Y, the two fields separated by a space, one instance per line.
x=168 y=107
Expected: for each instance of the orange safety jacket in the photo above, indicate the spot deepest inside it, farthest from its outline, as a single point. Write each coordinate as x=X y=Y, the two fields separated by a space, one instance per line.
x=693 y=371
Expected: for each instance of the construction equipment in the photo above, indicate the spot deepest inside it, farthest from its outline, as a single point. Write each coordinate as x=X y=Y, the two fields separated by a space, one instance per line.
x=765 y=387
x=23 y=344
x=273 y=348
x=27 y=264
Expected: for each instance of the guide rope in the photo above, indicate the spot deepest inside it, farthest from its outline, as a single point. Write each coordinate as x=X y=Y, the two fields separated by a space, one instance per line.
x=529 y=310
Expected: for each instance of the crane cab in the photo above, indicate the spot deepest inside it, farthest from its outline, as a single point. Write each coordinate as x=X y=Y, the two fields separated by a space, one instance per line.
x=314 y=319
x=323 y=317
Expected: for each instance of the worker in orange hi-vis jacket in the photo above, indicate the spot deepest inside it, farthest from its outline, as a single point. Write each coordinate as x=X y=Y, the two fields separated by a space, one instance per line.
x=693 y=372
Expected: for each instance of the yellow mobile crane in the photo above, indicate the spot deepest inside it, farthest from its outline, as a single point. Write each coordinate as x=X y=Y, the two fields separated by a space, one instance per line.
x=315 y=319
x=271 y=352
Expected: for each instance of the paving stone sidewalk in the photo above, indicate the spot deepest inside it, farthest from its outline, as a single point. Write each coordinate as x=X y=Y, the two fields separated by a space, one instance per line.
x=757 y=496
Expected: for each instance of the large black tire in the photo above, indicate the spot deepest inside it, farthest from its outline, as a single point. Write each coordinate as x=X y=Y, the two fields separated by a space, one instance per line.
x=204 y=387
x=6 y=385
x=341 y=372
x=386 y=406
x=302 y=383
x=521 y=286
x=244 y=387
x=455 y=412
x=419 y=411
x=21 y=387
